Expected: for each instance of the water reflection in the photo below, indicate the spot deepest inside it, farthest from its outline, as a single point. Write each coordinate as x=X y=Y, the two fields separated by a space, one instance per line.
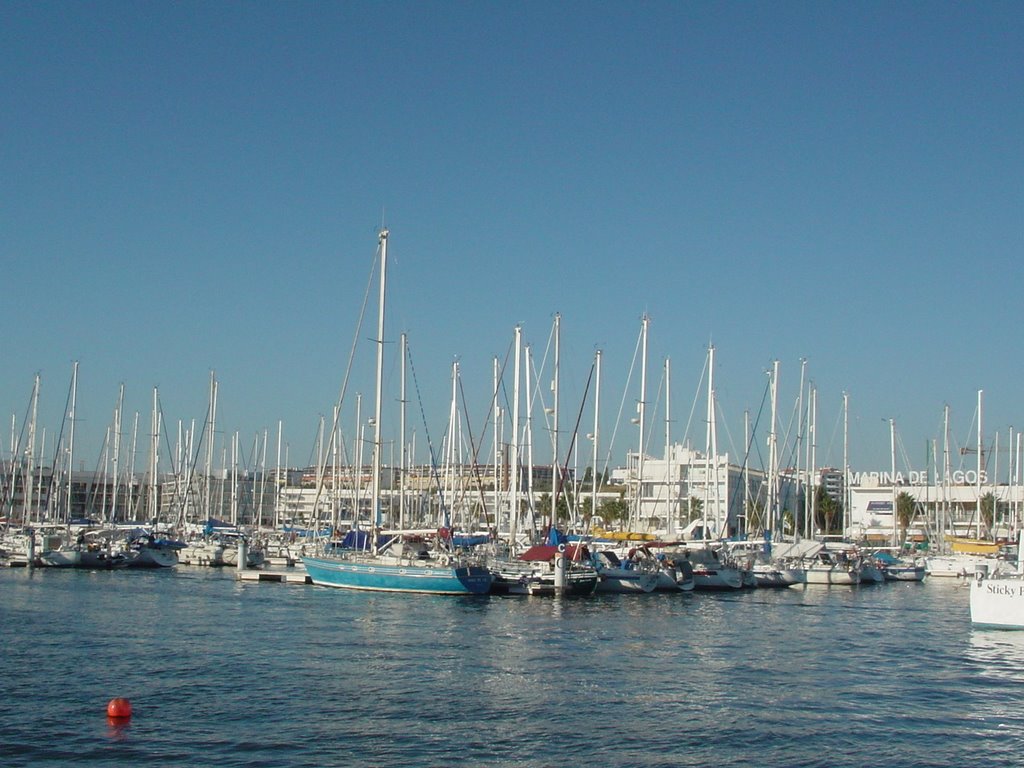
x=118 y=728
x=996 y=653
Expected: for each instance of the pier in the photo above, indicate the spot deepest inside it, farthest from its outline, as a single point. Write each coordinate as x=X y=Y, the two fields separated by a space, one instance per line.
x=291 y=576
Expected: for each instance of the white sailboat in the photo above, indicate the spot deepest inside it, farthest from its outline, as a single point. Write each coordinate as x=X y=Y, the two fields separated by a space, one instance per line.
x=712 y=569
x=962 y=556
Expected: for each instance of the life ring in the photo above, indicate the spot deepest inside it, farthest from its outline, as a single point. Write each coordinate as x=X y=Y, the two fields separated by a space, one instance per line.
x=445 y=560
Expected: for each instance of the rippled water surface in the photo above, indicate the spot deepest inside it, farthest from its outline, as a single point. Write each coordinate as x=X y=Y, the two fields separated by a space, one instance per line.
x=231 y=674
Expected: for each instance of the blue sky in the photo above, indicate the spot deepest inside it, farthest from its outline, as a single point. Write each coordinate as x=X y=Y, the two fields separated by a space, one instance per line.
x=191 y=187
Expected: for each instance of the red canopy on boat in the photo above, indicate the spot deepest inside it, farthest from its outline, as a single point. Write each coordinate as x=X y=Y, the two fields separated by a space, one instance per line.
x=547 y=551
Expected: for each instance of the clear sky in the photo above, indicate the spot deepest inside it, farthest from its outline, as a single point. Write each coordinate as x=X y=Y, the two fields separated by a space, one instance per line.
x=196 y=186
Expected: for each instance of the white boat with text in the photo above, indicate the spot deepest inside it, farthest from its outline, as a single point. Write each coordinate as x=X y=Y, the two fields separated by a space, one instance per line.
x=997 y=599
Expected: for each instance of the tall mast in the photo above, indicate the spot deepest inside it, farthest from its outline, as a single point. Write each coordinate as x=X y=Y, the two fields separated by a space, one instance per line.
x=529 y=437
x=641 y=418
x=116 y=457
x=495 y=438
x=946 y=469
x=597 y=433
x=800 y=427
x=71 y=440
x=708 y=419
x=670 y=517
x=154 y=459
x=513 y=459
x=375 y=494
x=846 y=461
x=39 y=480
x=746 y=472
x=130 y=483
x=1010 y=474
x=892 y=450
x=277 y=480
x=555 y=470
x=263 y=476
x=234 y=478
x=30 y=470
x=721 y=524
x=775 y=514
x=981 y=464
x=212 y=425
x=403 y=464
x=1017 y=481
x=335 y=495
x=452 y=464
x=357 y=453
x=812 y=478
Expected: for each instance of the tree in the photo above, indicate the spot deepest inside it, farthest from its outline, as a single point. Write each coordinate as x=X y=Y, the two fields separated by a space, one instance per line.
x=561 y=510
x=988 y=510
x=694 y=508
x=827 y=510
x=614 y=511
x=905 y=505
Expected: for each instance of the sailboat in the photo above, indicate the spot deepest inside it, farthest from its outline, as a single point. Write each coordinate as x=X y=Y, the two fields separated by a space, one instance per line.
x=554 y=566
x=965 y=555
x=711 y=569
x=401 y=562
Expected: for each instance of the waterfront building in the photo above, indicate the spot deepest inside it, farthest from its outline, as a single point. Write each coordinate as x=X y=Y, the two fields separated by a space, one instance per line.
x=686 y=487
x=955 y=505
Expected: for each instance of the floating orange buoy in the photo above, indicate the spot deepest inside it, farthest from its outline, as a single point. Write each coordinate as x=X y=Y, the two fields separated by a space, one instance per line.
x=120 y=709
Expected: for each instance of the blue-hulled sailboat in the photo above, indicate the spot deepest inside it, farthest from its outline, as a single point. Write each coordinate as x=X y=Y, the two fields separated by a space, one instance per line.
x=403 y=563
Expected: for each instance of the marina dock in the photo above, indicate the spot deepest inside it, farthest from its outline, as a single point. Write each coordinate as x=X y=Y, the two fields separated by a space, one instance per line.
x=291 y=576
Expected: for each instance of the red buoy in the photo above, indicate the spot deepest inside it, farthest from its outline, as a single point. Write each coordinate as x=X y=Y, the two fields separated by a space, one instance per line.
x=119 y=709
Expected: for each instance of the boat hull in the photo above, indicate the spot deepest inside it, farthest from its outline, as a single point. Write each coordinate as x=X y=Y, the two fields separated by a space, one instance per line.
x=998 y=602
x=957 y=566
x=870 y=574
x=103 y=561
x=705 y=578
x=621 y=580
x=768 y=576
x=904 y=573
x=825 y=574
x=968 y=546
x=671 y=579
x=511 y=582
x=61 y=558
x=202 y=553
x=153 y=557
x=383 y=577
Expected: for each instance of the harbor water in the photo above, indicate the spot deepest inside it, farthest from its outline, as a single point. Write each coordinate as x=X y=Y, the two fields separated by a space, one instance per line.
x=226 y=673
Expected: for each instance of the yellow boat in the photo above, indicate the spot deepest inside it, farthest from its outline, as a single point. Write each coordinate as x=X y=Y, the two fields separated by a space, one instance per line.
x=623 y=535
x=969 y=546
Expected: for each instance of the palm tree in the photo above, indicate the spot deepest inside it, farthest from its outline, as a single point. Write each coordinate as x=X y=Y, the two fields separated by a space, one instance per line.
x=827 y=510
x=561 y=508
x=694 y=508
x=614 y=511
x=905 y=507
x=988 y=510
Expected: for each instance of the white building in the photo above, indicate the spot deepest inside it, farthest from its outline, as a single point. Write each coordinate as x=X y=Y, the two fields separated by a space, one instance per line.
x=940 y=507
x=687 y=485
